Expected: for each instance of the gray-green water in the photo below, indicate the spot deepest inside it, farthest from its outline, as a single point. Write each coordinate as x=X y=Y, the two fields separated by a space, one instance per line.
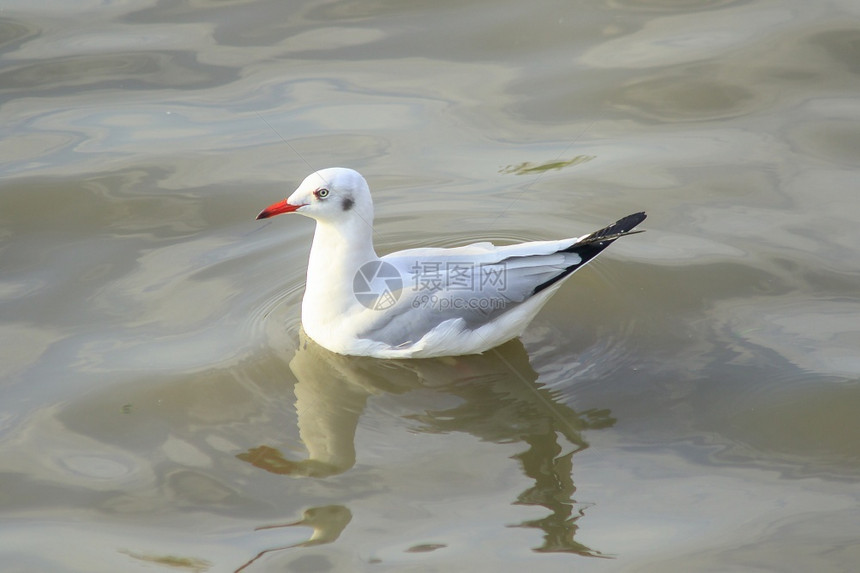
x=690 y=402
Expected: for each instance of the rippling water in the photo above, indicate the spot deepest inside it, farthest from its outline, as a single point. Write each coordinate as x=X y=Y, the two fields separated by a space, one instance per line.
x=689 y=402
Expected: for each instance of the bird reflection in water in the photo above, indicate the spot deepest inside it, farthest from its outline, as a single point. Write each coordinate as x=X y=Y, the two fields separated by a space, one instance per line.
x=501 y=402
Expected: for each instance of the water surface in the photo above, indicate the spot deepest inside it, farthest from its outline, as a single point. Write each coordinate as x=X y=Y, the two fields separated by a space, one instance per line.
x=689 y=402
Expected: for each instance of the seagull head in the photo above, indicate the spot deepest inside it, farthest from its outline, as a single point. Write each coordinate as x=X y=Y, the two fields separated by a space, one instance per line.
x=329 y=195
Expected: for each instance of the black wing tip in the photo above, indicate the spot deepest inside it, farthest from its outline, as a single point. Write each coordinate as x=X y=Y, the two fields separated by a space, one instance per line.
x=592 y=245
x=623 y=226
x=626 y=224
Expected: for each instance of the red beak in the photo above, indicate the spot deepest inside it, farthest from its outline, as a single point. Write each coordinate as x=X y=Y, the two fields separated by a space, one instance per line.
x=277 y=209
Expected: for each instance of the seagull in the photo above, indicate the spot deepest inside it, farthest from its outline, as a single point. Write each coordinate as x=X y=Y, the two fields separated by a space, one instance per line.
x=421 y=303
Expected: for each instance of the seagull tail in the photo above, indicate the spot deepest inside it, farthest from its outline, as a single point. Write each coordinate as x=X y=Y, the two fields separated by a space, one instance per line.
x=592 y=245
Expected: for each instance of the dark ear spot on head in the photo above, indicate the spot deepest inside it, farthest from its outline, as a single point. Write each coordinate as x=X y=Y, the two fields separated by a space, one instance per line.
x=347 y=203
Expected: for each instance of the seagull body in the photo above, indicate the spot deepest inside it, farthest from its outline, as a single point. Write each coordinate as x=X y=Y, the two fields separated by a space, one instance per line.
x=420 y=303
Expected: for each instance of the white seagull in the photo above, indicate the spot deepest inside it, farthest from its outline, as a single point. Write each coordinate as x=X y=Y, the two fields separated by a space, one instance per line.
x=421 y=303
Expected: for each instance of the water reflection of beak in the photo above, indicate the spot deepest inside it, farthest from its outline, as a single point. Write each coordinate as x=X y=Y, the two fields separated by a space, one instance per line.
x=328 y=522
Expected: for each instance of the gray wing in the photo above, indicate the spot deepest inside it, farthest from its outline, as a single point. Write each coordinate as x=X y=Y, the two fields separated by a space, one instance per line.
x=479 y=283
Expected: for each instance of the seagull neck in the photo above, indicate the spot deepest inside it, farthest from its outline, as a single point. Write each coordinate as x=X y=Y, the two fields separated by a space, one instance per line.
x=344 y=246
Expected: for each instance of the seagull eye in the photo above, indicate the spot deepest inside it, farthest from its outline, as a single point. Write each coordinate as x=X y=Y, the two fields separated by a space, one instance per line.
x=321 y=193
